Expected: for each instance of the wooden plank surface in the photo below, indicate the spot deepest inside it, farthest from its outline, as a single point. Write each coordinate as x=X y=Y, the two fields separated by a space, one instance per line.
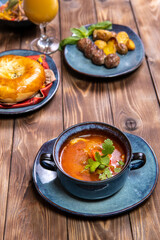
x=6 y=129
x=87 y=100
x=130 y=100
x=139 y=105
x=28 y=216
x=148 y=17
x=6 y=139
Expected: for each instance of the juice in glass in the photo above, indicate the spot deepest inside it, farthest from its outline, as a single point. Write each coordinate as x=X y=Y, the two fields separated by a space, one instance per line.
x=41 y=11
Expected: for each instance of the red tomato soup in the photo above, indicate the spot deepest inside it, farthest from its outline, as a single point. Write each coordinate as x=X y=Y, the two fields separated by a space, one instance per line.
x=75 y=155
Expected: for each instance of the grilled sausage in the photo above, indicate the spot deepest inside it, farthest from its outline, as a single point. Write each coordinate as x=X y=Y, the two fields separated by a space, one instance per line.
x=122 y=48
x=98 y=57
x=89 y=50
x=112 y=60
x=82 y=43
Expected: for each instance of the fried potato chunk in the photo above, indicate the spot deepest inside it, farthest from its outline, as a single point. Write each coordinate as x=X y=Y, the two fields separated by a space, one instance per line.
x=100 y=44
x=104 y=35
x=111 y=47
x=131 y=45
x=122 y=37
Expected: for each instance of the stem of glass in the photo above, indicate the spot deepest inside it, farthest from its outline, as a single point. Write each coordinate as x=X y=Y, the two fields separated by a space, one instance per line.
x=43 y=31
x=45 y=44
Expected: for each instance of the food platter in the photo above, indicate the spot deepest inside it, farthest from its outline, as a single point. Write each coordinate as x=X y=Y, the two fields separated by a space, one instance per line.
x=14 y=24
x=128 y=63
x=135 y=191
x=52 y=91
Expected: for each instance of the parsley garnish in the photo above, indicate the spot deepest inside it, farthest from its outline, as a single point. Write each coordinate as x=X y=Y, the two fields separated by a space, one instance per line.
x=121 y=163
x=117 y=170
x=108 y=147
x=102 y=176
x=106 y=174
x=102 y=162
x=92 y=165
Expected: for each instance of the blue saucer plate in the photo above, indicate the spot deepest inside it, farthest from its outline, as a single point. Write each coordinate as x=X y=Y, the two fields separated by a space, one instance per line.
x=138 y=187
x=52 y=66
x=128 y=63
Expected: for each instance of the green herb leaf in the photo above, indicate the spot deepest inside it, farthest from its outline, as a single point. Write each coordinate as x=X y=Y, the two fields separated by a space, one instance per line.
x=102 y=176
x=87 y=166
x=101 y=167
x=101 y=25
x=105 y=160
x=69 y=40
x=108 y=147
x=117 y=170
x=90 y=161
x=94 y=166
x=11 y=4
x=84 y=30
x=78 y=32
x=121 y=163
x=108 y=172
x=98 y=157
x=101 y=163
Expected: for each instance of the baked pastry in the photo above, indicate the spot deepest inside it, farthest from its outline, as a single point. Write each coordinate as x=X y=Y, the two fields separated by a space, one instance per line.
x=20 y=78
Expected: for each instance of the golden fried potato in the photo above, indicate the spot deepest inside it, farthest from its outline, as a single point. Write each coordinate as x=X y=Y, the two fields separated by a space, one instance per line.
x=101 y=34
x=122 y=37
x=111 y=47
x=131 y=45
x=100 y=44
x=113 y=41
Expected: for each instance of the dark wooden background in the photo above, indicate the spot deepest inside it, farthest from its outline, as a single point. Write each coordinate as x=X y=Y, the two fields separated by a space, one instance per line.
x=131 y=103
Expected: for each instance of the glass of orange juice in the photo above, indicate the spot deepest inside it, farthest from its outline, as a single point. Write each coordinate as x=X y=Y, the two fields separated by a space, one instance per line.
x=41 y=12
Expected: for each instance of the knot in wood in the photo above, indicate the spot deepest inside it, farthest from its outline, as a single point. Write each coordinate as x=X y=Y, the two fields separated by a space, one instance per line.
x=131 y=124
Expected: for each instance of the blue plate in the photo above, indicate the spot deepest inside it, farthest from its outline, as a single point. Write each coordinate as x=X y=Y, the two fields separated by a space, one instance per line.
x=14 y=24
x=52 y=66
x=138 y=187
x=128 y=63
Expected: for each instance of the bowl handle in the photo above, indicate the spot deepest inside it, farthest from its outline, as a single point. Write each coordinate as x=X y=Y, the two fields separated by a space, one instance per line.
x=47 y=162
x=139 y=160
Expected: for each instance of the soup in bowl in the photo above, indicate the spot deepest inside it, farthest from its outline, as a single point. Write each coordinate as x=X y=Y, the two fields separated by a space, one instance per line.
x=92 y=160
x=92 y=157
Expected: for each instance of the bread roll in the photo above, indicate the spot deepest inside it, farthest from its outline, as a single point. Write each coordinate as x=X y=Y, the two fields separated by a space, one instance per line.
x=20 y=78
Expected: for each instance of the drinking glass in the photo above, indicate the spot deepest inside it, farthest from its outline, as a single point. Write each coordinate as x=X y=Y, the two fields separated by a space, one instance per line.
x=41 y=12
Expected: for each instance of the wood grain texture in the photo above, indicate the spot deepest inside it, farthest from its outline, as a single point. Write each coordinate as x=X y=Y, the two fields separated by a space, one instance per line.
x=6 y=137
x=6 y=141
x=134 y=100
x=81 y=98
x=129 y=102
x=110 y=229
x=87 y=100
x=28 y=216
x=148 y=17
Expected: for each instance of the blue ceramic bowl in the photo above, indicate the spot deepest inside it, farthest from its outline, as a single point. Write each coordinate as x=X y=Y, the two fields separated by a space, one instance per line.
x=92 y=190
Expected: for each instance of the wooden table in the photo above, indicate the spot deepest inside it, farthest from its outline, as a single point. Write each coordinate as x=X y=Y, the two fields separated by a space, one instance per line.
x=133 y=98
